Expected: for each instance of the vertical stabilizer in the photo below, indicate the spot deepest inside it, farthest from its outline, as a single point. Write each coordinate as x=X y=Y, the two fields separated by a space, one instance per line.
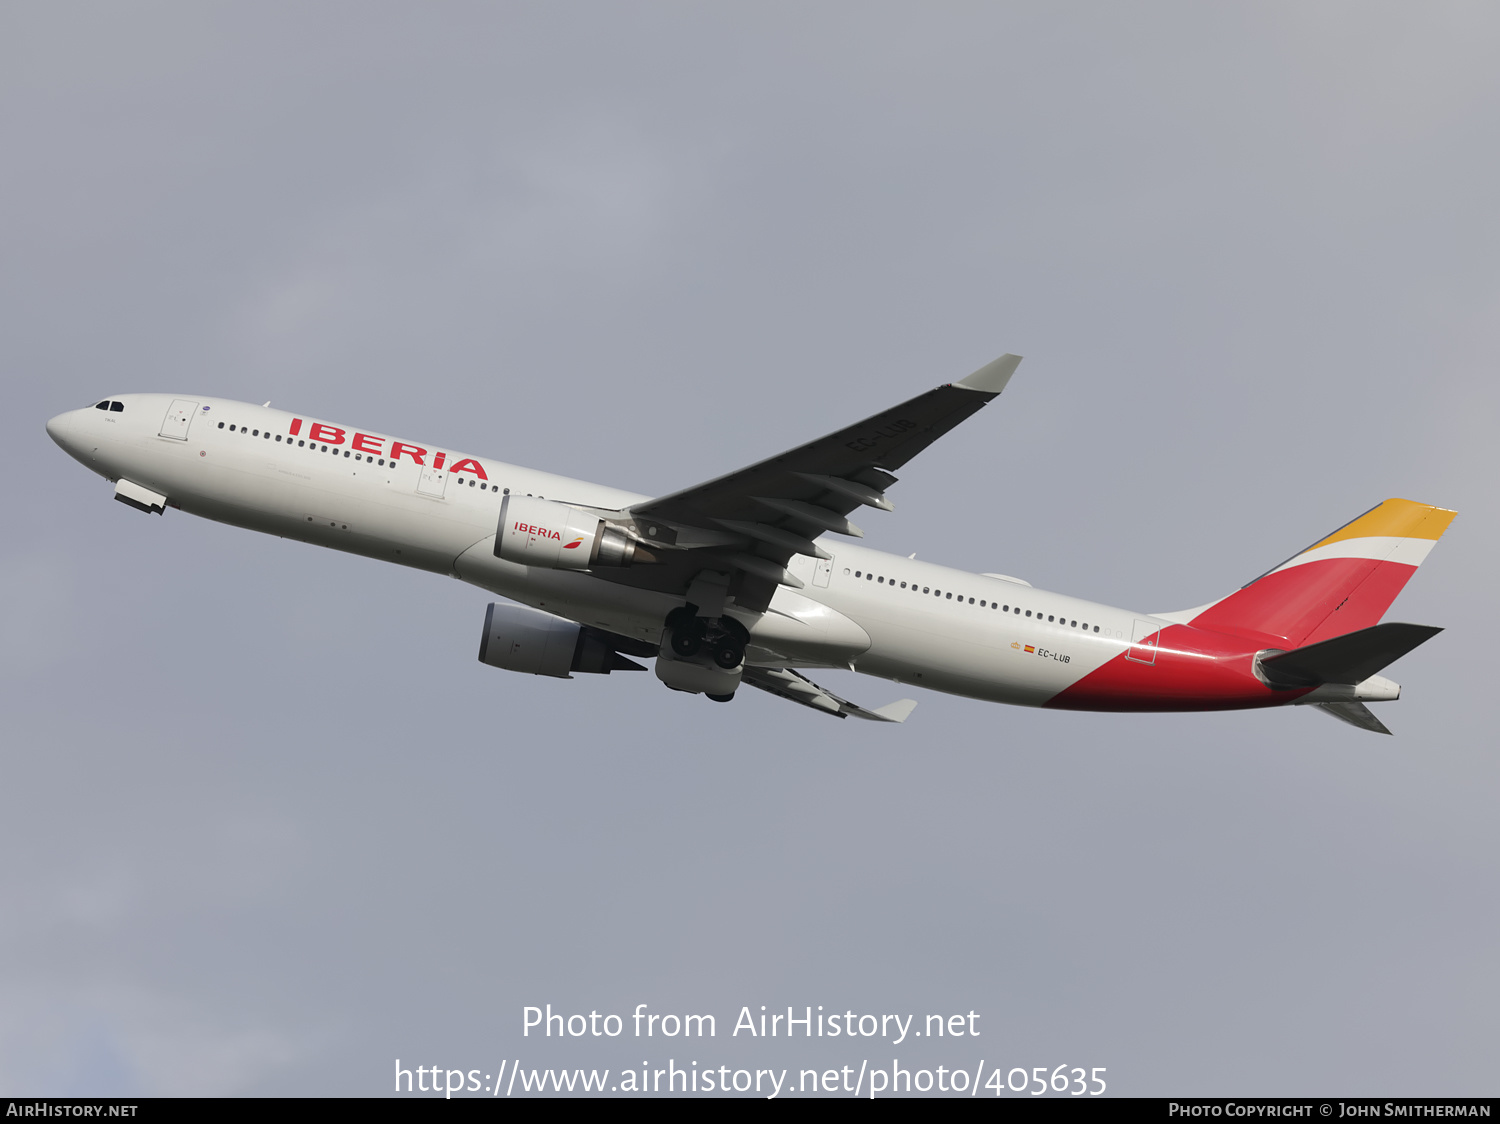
x=1342 y=583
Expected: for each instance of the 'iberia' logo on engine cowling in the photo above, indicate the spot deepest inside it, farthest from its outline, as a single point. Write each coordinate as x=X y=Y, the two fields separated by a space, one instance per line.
x=571 y=545
x=540 y=532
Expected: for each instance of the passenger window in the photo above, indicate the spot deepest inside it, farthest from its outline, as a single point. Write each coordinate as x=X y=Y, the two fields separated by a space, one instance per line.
x=221 y=425
x=1028 y=612
x=971 y=601
x=950 y=597
x=1096 y=628
x=278 y=437
x=256 y=433
x=1049 y=618
x=301 y=443
x=346 y=452
x=857 y=573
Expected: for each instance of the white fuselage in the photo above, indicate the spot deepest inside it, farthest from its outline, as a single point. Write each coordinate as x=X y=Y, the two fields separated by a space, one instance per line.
x=880 y=614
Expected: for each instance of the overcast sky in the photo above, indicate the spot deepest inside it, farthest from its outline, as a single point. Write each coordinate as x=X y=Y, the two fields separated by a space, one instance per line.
x=270 y=825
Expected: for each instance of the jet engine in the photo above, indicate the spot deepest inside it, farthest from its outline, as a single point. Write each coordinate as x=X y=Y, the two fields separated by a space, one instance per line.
x=520 y=639
x=538 y=532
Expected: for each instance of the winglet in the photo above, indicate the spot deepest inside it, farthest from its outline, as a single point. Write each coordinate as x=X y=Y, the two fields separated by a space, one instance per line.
x=897 y=711
x=992 y=377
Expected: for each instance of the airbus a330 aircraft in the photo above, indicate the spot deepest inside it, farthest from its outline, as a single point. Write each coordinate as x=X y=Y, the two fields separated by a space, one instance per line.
x=725 y=583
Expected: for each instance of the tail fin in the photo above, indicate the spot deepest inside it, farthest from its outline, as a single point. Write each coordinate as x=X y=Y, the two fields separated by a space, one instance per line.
x=1340 y=584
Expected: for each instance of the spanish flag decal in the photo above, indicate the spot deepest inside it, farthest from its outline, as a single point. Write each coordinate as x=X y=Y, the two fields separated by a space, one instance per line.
x=1030 y=648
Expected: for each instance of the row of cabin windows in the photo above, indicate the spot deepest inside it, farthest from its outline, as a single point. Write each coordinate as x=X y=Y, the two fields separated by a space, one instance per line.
x=983 y=604
x=357 y=456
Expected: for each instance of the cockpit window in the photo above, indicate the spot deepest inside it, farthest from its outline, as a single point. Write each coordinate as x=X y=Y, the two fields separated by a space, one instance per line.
x=101 y=405
x=117 y=407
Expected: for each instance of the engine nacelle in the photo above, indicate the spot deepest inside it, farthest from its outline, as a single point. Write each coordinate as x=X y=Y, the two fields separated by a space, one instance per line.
x=538 y=532
x=520 y=639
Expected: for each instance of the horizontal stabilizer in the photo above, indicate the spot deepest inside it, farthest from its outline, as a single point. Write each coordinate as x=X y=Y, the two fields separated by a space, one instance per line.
x=1354 y=713
x=1351 y=658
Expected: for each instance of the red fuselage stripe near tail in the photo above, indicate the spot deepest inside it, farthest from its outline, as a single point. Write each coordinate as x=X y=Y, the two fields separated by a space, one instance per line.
x=1193 y=669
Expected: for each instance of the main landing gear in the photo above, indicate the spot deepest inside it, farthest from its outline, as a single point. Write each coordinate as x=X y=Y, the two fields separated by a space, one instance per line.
x=724 y=638
x=706 y=656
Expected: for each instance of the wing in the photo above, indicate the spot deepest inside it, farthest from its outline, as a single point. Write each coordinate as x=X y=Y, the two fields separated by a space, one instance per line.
x=747 y=525
x=785 y=683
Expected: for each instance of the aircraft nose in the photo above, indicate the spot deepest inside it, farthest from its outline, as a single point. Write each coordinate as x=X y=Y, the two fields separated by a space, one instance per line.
x=64 y=429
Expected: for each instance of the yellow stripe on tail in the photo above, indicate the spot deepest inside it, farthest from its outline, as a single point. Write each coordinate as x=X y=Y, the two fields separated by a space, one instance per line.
x=1402 y=519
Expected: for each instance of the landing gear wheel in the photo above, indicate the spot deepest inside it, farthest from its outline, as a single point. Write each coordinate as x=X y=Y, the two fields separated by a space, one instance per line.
x=688 y=632
x=721 y=698
x=728 y=654
x=687 y=642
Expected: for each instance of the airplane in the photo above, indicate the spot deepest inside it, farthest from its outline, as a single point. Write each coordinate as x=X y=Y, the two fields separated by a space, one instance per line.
x=726 y=583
